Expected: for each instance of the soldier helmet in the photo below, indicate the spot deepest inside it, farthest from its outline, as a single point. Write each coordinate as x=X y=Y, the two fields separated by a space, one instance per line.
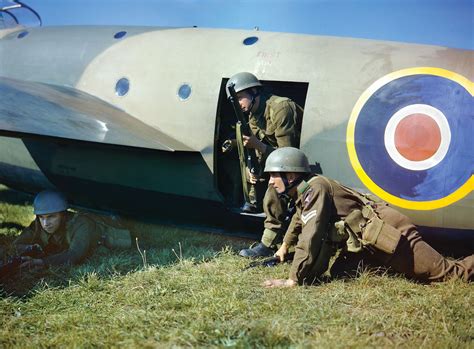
x=287 y=159
x=242 y=81
x=49 y=201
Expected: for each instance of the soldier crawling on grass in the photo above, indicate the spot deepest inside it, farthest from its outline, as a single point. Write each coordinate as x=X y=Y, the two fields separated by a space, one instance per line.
x=330 y=215
x=61 y=237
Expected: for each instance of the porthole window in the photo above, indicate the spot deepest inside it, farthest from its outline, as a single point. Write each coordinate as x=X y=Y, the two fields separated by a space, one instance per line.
x=250 y=40
x=120 y=34
x=122 y=86
x=22 y=34
x=184 y=92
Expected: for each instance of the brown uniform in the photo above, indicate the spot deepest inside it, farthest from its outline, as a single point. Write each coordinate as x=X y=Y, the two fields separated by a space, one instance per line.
x=322 y=202
x=277 y=124
x=75 y=240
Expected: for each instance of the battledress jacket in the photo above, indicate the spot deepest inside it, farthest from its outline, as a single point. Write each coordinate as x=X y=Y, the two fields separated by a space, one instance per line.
x=276 y=122
x=321 y=202
x=316 y=209
x=74 y=240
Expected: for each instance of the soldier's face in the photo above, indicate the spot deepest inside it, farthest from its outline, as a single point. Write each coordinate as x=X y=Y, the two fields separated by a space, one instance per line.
x=245 y=100
x=277 y=182
x=51 y=222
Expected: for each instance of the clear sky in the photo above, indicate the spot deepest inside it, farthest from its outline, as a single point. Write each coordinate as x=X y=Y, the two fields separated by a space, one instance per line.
x=439 y=22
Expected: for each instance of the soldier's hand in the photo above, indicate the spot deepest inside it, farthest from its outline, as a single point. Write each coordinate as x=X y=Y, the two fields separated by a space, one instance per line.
x=252 y=179
x=32 y=263
x=279 y=283
x=282 y=252
x=253 y=142
x=228 y=145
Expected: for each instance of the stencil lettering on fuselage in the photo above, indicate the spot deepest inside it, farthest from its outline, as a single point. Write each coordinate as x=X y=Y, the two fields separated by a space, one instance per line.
x=410 y=138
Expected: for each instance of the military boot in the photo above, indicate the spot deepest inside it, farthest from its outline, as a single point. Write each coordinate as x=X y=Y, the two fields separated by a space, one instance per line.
x=260 y=250
x=249 y=208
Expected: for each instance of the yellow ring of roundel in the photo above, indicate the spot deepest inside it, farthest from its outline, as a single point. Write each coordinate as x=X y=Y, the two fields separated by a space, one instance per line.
x=461 y=192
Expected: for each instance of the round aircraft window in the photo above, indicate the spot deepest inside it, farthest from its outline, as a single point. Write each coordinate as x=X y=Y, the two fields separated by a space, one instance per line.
x=184 y=92
x=22 y=34
x=120 y=35
x=122 y=86
x=250 y=40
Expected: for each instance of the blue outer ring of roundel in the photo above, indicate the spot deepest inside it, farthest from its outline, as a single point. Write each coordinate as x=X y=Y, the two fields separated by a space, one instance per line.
x=375 y=167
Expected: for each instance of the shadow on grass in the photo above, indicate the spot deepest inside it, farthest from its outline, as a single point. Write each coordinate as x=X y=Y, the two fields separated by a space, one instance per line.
x=160 y=246
x=160 y=250
x=11 y=225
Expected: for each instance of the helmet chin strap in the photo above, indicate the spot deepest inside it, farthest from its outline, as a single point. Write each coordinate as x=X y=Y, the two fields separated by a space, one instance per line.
x=288 y=185
x=254 y=96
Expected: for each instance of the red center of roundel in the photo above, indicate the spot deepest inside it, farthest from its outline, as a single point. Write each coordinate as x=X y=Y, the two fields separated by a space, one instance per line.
x=417 y=137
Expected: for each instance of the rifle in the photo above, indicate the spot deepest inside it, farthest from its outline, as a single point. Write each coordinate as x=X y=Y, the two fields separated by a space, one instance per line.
x=14 y=262
x=252 y=160
x=270 y=261
x=267 y=262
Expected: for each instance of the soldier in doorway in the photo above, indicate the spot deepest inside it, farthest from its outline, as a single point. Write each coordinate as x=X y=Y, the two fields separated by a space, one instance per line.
x=275 y=122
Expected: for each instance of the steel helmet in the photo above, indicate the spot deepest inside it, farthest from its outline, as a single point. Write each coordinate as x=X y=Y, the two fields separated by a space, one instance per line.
x=287 y=159
x=50 y=201
x=242 y=81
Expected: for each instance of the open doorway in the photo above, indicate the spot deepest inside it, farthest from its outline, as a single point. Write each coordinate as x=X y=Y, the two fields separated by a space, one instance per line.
x=226 y=164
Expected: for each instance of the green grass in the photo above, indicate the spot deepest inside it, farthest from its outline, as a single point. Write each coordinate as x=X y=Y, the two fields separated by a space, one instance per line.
x=193 y=293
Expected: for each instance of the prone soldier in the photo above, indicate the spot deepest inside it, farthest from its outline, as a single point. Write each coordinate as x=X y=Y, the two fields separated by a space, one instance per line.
x=275 y=122
x=62 y=236
x=329 y=214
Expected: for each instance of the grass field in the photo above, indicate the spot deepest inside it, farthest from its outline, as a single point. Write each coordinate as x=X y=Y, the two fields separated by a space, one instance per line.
x=191 y=292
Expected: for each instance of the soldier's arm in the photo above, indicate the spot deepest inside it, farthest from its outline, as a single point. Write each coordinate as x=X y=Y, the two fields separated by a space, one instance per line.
x=25 y=239
x=315 y=217
x=83 y=239
x=294 y=229
x=285 y=132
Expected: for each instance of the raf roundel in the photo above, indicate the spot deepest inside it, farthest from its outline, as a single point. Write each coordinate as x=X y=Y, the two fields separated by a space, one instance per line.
x=417 y=137
x=409 y=138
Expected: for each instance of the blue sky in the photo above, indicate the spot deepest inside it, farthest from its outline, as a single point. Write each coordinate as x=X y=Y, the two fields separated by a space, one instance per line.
x=439 y=22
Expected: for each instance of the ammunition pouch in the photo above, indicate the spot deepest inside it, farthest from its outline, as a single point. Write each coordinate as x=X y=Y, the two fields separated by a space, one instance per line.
x=338 y=232
x=112 y=232
x=116 y=238
x=364 y=228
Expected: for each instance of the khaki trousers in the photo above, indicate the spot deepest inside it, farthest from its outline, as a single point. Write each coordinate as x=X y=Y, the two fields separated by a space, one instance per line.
x=413 y=257
x=276 y=221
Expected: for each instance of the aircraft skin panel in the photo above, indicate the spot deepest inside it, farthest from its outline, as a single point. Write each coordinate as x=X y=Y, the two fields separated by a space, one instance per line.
x=321 y=61
x=55 y=56
x=338 y=71
x=7 y=31
x=58 y=111
x=156 y=77
x=24 y=179
x=156 y=171
x=39 y=162
x=18 y=169
x=458 y=215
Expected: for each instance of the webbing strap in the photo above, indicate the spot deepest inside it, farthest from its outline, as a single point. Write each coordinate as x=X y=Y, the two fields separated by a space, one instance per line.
x=241 y=151
x=331 y=189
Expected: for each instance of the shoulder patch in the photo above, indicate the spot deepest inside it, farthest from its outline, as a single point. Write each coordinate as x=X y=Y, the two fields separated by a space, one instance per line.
x=308 y=198
x=306 y=217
